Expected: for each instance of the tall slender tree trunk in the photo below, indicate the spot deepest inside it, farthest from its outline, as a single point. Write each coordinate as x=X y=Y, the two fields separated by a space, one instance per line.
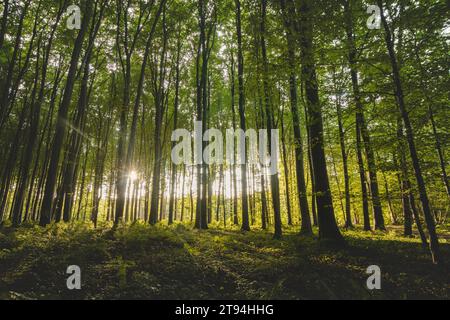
x=348 y=214
x=34 y=123
x=4 y=23
x=175 y=125
x=5 y=96
x=274 y=178
x=440 y=152
x=244 y=195
x=83 y=183
x=310 y=166
x=417 y=220
x=393 y=215
x=362 y=177
x=60 y=132
x=25 y=163
x=233 y=169
x=437 y=139
x=219 y=193
x=286 y=172
x=182 y=194
x=434 y=242
x=360 y=118
x=8 y=170
x=124 y=157
x=306 y=227
x=405 y=185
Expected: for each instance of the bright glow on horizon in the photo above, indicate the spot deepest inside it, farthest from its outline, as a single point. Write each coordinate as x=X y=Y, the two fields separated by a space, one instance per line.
x=133 y=176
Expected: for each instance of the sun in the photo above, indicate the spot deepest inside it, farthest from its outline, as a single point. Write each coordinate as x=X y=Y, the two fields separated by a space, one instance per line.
x=132 y=176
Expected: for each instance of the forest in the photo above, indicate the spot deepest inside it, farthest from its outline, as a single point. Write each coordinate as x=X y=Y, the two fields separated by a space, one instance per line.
x=349 y=99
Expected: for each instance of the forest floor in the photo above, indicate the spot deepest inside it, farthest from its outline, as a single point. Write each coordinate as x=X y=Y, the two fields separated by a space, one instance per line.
x=143 y=262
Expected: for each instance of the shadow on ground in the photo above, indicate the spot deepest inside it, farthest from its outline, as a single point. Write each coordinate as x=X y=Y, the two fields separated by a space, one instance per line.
x=143 y=262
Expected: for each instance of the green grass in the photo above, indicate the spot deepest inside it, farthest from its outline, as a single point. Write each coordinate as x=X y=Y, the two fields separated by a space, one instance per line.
x=143 y=262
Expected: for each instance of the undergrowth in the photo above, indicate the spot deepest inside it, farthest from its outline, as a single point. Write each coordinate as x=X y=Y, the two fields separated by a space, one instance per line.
x=144 y=262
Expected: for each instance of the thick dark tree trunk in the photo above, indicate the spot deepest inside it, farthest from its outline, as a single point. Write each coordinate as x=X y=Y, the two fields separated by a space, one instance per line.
x=328 y=229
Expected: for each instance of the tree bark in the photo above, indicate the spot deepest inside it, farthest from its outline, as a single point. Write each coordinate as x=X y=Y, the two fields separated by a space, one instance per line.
x=328 y=229
x=245 y=215
x=233 y=171
x=4 y=23
x=306 y=227
x=360 y=118
x=175 y=125
x=286 y=171
x=348 y=214
x=60 y=132
x=274 y=178
x=159 y=94
x=434 y=241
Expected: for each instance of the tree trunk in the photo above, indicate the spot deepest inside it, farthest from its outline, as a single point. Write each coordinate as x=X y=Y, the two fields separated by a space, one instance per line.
x=7 y=82
x=233 y=170
x=286 y=171
x=306 y=228
x=437 y=139
x=159 y=104
x=175 y=125
x=244 y=195
x=348 y=214
x=8 y=170
x=274 y=178
x=60 y=132
x=352 y=54
x=434 y=242
x=4 y=23
x=328 y=229
x=25 y=163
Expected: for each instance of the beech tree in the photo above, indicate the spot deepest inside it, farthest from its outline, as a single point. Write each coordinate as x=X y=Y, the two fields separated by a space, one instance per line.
x=87 y=115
